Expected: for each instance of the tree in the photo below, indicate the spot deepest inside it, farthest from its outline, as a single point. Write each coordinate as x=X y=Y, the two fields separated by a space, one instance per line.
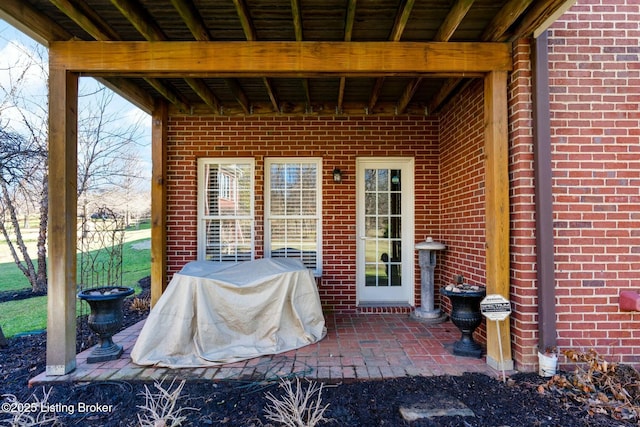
x=108 y=143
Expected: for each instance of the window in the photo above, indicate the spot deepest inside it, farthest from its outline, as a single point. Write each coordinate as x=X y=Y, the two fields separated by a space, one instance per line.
x=293 y=209
x=225 y=209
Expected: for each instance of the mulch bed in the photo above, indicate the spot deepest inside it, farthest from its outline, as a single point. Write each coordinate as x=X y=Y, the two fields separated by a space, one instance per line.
x=518 y=402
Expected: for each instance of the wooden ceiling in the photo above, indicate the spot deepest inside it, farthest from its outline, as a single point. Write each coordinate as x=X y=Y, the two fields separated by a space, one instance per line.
x=398 y=21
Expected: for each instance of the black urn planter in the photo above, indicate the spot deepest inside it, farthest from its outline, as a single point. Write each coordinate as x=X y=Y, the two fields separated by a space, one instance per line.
x=466 y=315
x=105 y=319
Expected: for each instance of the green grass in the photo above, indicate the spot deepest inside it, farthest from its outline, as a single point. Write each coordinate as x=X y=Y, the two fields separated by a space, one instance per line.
x=31 y=314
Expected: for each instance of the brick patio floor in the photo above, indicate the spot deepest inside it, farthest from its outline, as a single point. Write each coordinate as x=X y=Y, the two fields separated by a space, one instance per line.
x=357 y=347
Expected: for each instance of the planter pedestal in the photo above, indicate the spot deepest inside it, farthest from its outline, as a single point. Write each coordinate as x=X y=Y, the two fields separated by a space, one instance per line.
x=105 y=319
x=466 y=315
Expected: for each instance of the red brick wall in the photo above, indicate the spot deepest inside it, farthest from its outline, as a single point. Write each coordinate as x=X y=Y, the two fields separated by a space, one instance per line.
x=595 y=95
x=338 y=141
x=523 y=292
x=462 y=197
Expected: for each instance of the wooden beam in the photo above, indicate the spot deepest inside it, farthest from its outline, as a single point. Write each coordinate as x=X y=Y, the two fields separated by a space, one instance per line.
x=402 y=17
x=296 y=13
x=62 y=235
x=396 y=34
x=245 y=20
x=451 y=22
x=510 y=12
x=159 y=123
x=449 y=86
x=540 y=16
x=190 y=15
x=32 y=22
x=169 y=93
x=205 y=93
x=250 y=33
x=453 y=19
x=87 y=19
x=348 y=32
x=282 y=59
x=140 y=19
x=496 y=150
x=407 y=94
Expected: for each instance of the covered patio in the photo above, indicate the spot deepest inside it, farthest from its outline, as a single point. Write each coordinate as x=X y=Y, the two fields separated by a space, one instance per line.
x=357 y=347
x=234 y=73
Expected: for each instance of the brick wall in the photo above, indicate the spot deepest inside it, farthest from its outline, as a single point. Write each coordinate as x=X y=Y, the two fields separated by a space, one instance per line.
x=338 y=141
x=595 y=95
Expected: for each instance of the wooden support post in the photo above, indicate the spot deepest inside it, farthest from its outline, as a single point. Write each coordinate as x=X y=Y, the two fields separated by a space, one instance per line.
x=63 y=201
x=497 y=211
x=158 y=201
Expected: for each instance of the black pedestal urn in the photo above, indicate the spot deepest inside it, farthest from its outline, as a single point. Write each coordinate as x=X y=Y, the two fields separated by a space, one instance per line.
x=105 y=319
x=466 y=315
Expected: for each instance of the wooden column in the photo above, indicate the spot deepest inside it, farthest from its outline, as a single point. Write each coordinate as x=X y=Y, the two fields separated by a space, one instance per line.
x=496 y=148
x=158 y=201
x=63 y=200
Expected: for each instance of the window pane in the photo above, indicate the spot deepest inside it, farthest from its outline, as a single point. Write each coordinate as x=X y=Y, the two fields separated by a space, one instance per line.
x=227 y=212
x=293 y=223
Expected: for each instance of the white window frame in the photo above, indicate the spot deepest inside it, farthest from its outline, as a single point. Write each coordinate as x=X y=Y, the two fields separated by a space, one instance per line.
x=317 y=161
x=202 y=218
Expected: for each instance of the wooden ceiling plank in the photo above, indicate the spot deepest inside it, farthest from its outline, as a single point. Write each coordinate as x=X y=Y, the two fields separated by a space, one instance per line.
x=87 y=20
x=190 y=15
x=504 y=19
x=297 y=19
x=275 y=103
x=450 y=24
x=452 y=20
x=540 y=15
x=281 y=59
x=407 y=94
x=144 y=23
x=205 y=93
x=131 y=92
x=443 y=94
x=402 y=17
x=239 y=95
x=296 y=13
x=140 y=19
x=245 y=20
x=32 y=22
x=348 y=33
x=404 y=12
x=170 y=94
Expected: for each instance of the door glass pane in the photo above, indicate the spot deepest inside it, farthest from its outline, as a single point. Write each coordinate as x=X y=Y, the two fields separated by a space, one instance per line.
x=383 y=226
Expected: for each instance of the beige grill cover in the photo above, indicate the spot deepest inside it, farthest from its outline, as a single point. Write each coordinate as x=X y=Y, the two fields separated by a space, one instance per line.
x=215 y=313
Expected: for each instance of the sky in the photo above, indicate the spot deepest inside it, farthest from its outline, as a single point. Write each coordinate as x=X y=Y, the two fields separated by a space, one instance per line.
x=15 y=47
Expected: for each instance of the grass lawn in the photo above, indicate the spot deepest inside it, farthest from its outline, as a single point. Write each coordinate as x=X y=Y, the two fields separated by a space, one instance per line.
x=31 y=314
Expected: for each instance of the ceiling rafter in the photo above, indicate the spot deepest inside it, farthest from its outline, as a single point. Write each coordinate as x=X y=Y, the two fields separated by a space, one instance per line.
x=250 y=34
x=541 y=12
x=404 y=12
x=451 y=22
x=32 y=22
x=146 y=26
x=348 y=32
x=495 y=31
x=190 y=15
x=86 y=19
x=100 y=30
x=297 y=29
x=504 y=19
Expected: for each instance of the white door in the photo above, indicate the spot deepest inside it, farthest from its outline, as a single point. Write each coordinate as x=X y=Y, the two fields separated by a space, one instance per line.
x=385 y=248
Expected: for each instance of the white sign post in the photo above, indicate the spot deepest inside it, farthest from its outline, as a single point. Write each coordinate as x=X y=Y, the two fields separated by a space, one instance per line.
x=497 y=308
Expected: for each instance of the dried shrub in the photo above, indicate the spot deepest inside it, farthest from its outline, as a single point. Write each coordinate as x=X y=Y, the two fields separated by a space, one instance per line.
x=604 y=387
x=161 y=408
x=141 y=305
x=297 y=407
x=29 y=414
